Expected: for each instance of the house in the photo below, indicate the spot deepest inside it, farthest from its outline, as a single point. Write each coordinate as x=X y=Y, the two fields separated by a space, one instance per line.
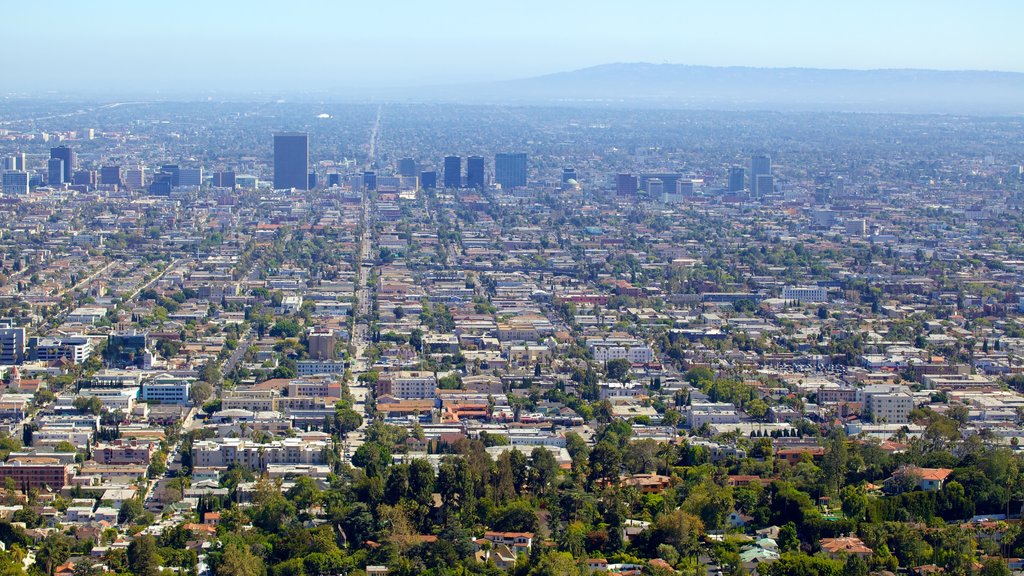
x=846 y=545
x=927 y=479
x=737 y=520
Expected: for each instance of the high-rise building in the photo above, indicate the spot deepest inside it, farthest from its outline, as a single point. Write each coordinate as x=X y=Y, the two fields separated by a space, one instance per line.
x=333 y=179
x=407 y=167
x=568 y=174
x=110 y=175
x=192 y=177
x=68 y=156
x=87 y=178
x=453 y=171
x=15 y=182
x=510 y=169
x=312 y=182
x=428 y=180
x=10 y=163
x=322 y=344
x=19 y=161
x=174 y=172
x=765 y=184
x=760 y=165
x=736 y=177
x=55 y=172
x=625 y=185
x=475 y=172
x=291 y=160
x=370 y=180
x=12 y=343
x=135 y=178
x=224 y=179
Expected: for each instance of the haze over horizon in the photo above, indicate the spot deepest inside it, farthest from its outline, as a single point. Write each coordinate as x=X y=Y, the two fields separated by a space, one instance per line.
x=238 y=47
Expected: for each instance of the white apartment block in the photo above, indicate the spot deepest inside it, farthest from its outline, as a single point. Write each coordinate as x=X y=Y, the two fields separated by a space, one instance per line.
x=310 y=449
x=805 y=293
x=700 y=413
x=631 y=349
x=887 y=403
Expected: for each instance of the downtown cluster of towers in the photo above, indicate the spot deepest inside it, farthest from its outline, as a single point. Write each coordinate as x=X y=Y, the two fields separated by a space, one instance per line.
x=291 y=168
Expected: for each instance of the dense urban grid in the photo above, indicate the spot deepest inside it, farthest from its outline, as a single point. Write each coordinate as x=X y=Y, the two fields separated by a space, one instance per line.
x=290 y=339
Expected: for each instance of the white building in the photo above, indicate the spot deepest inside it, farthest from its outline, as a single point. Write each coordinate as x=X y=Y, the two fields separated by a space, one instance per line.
x=74 y=348
x=167 y=389
x=887 y=403
x=805 y=293
x=306 y=449
x=700 y=413
x=631 y=349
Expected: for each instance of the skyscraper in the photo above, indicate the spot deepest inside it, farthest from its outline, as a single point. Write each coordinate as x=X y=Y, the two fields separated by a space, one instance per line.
x=568 y=174
x=760 y=165
x=736 y=176
x=68 y=156
x=452 y=171
x=475 y=172
x=370 y=180
x=625 y=185
x=55 y=172
x=407 y=167
x=428 y=180
x=19 y=161
x=291 y=160
x=110 y=175
x=510 y=169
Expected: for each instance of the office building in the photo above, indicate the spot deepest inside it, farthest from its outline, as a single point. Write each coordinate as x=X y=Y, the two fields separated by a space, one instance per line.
x=453 y=172
x=19 y=161
x=15 y=182
x=125 y=348
x=87 y=178
x=68 y=156
x=312 y=182
x=110 y=175
x=135 y=178
x=655 y=188
x=9 y=163
x=224 y=179
x=191 y=177
x=428 y=180
x=333 y=179
x=322 y=345
x=475 y=172
x=765 y=184
x=12 y=343
x=370 y=180
x=407 y=167
x=625 y=185
x=510 y=170
x=174 y=171
x=760 y=165
x=736 y=177
x=291 y=160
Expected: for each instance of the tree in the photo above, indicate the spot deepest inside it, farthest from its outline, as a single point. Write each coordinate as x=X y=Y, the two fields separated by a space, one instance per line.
x=855 y=566
x=200 y=392
x=557 y=564
x=54 y=551
x=994 y=567
x=855 y=502
x=304 y=493
x=90 y=404
x=788 y=540
x=237 y=560
x=143 y=559
x=617 y=369
x=130 y=510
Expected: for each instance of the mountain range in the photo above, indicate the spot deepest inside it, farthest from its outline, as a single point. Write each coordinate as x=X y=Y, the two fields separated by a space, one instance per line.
x=747 y=88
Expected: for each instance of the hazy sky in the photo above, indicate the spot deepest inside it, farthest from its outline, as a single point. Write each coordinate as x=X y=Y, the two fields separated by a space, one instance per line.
x=298 y=45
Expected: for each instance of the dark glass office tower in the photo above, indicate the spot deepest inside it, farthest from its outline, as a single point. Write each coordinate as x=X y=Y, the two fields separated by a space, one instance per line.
x=55 y=172
x=736 y=176
x=760 y=165
x=510 y=169
x=428 y=180
x=407 y=167
x=475 y=172
x=68 y=156
x=291 y=160
x=453 y=171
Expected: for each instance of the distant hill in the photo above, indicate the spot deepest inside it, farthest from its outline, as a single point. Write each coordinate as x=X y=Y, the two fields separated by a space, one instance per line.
x=744 y=88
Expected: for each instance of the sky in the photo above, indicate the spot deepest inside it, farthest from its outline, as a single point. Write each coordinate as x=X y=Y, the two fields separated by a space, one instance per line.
x=219 y=46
